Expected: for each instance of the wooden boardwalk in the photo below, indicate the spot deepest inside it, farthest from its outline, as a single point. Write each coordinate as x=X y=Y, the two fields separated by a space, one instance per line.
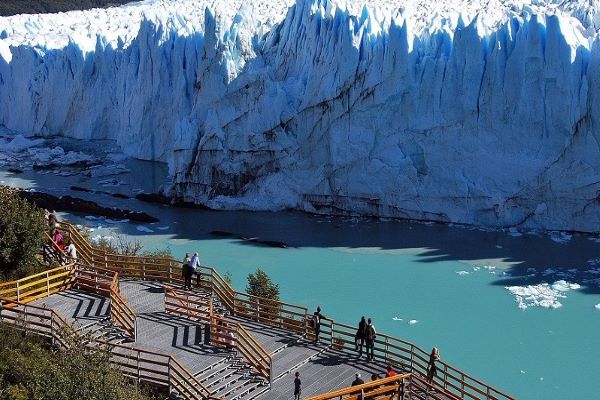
x=322 y=369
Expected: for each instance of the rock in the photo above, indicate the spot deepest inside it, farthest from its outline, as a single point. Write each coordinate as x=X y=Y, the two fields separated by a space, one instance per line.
x=87 y=207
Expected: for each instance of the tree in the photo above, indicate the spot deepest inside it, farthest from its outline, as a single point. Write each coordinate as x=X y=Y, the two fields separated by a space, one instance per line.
x=22 y=227
x=259 y=284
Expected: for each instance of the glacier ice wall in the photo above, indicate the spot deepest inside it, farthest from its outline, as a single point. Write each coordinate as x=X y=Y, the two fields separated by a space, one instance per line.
x=340 y=112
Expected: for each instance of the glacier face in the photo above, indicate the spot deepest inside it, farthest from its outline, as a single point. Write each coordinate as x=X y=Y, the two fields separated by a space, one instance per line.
x=445 y=111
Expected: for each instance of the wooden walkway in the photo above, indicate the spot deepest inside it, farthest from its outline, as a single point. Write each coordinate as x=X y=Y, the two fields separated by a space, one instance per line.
x=322 y=369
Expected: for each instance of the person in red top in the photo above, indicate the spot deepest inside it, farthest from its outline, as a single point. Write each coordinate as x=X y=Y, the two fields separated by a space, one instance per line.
x=390 y=371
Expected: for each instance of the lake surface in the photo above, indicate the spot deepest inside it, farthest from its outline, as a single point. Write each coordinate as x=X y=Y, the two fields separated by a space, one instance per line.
x=435 y=285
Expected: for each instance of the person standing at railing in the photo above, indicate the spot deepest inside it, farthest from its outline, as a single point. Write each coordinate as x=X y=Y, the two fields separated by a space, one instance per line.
x=431 y=367
x=361 y=335
x=195 y=268
x=370 y=339
x=297 y=387
x=186 y=272
x=317 y=317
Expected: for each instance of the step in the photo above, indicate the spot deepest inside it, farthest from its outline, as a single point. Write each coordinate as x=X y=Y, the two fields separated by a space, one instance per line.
x=243 y=386
x=227 y=382
x=251 y=394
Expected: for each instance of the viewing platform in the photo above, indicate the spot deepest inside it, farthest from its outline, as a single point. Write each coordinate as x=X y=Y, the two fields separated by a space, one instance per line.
x=213 y=342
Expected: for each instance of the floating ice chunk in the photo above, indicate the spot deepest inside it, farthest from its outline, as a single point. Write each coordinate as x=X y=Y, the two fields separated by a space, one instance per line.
x=597 y=306
x=560 y=237
x=92 y=217
x=145 y=229
x=462 y=273
x=476 y=269
x=514 y=232
x=162 y=228
x=498 y=246
x=117 y=221
x=412 y=322
x=489 y=267
x=20 y=143
x=400 y=319
x=542 y=295
x=522 y=371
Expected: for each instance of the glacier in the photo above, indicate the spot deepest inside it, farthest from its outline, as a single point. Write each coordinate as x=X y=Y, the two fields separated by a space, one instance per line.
x=471 y=112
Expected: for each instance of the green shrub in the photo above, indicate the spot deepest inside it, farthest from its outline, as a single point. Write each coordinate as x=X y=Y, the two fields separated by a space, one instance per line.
x=29 y=369
x=22 y=227
x=259 y=284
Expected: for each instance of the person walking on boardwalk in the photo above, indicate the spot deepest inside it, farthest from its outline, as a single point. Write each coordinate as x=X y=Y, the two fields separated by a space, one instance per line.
x=71 y=251
x=358 y=381
x=317 y=317
x=297 y=387
x=370 y=337
x=361 y=335
x=195 y=268
x=431 y=367
x=186 y=271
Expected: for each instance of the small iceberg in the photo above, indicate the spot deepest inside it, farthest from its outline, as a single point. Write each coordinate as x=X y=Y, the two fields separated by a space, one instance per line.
x=597 y=306
x=400 y=319
x=462 y=273
x=144 y=229
x=412 y=322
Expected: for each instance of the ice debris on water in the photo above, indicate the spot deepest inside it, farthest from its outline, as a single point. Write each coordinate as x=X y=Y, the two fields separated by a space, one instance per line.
x=412 y=322
x=543 y=295
x=145 y=229
x=462 y=272
x=597 y=306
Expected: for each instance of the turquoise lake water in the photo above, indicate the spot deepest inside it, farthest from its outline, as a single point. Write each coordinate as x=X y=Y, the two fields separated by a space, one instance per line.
x=396 y=272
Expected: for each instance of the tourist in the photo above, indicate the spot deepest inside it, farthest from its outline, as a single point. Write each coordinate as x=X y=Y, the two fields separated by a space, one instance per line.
x=370 y=337
x=390 y=371
x=71 y=251
x=317 y=317
x=431 y=367
x=357 y=380
x=186 y=272
x=57 y=237
x=195 y=268
x=53 y=220
x=297 y=386
x=361 y=334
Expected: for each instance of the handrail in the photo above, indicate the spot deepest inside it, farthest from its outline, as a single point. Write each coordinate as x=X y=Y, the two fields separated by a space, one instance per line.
x=288 y=316
x=224 y=332
x=28 y=289
x=379 y=387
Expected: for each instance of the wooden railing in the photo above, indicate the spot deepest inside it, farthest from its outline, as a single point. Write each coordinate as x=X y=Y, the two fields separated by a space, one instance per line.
x=223 y=332
x=230 y=334
x=140 y=364
x=158 y=368
x=290 y=317
x=385 y=388
x=38 y=285
x=121 y=313
x=188 y=304
x=38 y=320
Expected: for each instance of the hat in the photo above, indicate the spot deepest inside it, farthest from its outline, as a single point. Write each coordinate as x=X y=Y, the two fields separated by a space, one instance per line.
x=357 y=375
